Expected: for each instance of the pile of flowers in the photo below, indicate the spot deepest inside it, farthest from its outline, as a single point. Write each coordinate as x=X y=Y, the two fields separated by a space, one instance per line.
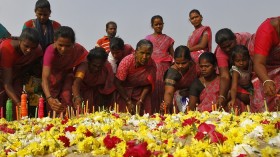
x=121 y=134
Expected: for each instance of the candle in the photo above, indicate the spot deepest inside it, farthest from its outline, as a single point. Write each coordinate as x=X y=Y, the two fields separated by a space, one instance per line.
x=265 y=104
x=17 y=115
x=41 y=107
x=213 y=109
x=236 y=111
x=2 y=112
x=78 y=111
x=248 y=108
x=54 y=114
x=49 y=114
x=118 y=107
x=174 y=109
x=136 y=109
x=36 y=111
x=9 y=110
x=93 y=109
x=61 y=115
x=86 y=106
x=24 y=111
x=115 y=107
x=126 y=109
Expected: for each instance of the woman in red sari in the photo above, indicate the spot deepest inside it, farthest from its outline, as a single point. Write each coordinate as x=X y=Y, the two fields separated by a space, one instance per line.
x=59 y=60
x=162 y=55
x=204 y=91
x=94 y=81
x=135 y=79
x=17 y=57
x=267 y=66
x=178 y=79
x=201 y=39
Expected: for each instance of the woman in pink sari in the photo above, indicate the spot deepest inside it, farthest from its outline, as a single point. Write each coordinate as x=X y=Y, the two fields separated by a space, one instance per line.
x=267 y=66
x=178 y=79
x=204 y=91
x=162 y=55
x=17 y=58
x=135 y=79
x=201 y=39
x=59 y=60
x=94 y=81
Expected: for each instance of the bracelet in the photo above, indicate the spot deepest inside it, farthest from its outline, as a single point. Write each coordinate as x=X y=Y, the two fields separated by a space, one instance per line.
x=221 y=96
x=268 y=81
x=47 y=98
x=76 y=97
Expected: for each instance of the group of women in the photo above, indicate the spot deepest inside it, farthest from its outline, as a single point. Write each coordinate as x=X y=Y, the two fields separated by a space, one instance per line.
x=153 y=77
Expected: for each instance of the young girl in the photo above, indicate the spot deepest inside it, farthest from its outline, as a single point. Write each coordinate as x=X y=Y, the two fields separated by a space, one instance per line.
x=241 y=71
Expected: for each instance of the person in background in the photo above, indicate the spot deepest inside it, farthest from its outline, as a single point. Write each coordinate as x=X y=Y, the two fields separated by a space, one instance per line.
x=94 y=81
x=118 y=50
x=267 y=66
x=241 y=74
x=135 y=79
x=60 y=59
x=17 y=57
x=201 y=39
x=162 y=55
x=4 y=33
x=226 y=40
x=178 y=79
x=43 y=24
x=111 y=30
x=204 y=90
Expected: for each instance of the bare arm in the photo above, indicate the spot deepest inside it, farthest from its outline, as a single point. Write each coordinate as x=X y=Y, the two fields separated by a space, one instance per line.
x=168 y=95
x=7 y=81
x=79 y=76
x=201 y=45
x=233 y=90
x=224 y=85
x=193 y=100
x=260 y=69
x=171 y=50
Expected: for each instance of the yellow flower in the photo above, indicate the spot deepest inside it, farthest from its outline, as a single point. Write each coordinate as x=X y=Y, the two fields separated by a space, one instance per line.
x=87 y=145
x=268 y=151
x=61 y=153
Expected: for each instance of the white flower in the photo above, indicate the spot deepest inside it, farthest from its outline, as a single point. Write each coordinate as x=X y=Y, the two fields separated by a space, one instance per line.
x=275 y=141
x=257 y=132
x=70 y=136
x=246 y=122
x=243 y=149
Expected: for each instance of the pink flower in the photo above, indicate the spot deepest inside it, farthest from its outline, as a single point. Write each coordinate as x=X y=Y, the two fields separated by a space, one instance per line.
x=139 y=150
x=70 y=129
x=116 y=115
x=64 y=121
x=217 y=137
x=65 y=140
x=203 y=127
x=242 y=155
x=110 y=142
x=48 y=127
x=277 y=125
x=190 y=121
x=199 y=136
x=265 y=122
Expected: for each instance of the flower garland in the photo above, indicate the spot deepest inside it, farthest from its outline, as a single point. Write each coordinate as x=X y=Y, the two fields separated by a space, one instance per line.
x=113 y=134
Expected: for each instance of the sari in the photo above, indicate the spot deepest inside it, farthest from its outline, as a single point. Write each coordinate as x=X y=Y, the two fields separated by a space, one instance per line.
x=196 y=37
x=209 y=95
x=267 y=43
x=97 y=88
x=163 y=60
x=19 y=63
x=4 y=33
x=134 y=80
x=62 y=77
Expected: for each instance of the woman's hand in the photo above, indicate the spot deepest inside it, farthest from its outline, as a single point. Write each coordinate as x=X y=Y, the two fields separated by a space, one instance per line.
x=231 y=103
x=77 y=102
x=269 y=88
x=130 y=107
x=139 y=104
x=56 y=105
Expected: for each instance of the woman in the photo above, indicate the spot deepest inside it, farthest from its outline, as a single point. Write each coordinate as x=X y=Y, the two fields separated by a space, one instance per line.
x=267 y=66
x=178 y=79
x=204 y=91
x=17 y=57
x=201 y=39
x=42 y=23
x=59 y=60
x=135 y=79
x=94 y=81
x=162 y=55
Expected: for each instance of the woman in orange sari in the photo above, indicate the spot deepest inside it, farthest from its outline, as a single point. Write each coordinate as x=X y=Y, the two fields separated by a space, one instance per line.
x=204 y=91
x=94 y=81
x=201 y=39
x=162 y=55
x=135 y=79
x=59 y=60
x=267 y=66
x=178 y=79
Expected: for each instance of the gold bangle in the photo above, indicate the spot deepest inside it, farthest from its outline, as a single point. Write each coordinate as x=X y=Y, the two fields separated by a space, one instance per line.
x=221 y=96
x=268 y=81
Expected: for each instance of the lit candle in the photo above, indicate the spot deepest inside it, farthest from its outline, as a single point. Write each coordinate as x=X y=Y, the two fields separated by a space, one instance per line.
x=41 y=107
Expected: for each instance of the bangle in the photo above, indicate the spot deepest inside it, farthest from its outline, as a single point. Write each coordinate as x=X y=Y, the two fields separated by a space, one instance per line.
x=76 y=97
x=221 y=96
x=268 y=81
x=47 y=98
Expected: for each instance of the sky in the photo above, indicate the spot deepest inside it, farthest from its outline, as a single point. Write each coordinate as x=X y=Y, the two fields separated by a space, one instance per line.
x=89 y=17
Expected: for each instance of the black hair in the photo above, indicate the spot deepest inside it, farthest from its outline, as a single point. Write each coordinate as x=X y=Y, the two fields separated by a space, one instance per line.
x=194 y=11
x=65 y=32
x=182 y=51
x=110 y=23
x=209 y=56
x=223 y=35
x=144 y=42
x=30 y=34
x=42 y=4
x=155 y=17
x=97 y=53
x=239 y=49
x=116 y=43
